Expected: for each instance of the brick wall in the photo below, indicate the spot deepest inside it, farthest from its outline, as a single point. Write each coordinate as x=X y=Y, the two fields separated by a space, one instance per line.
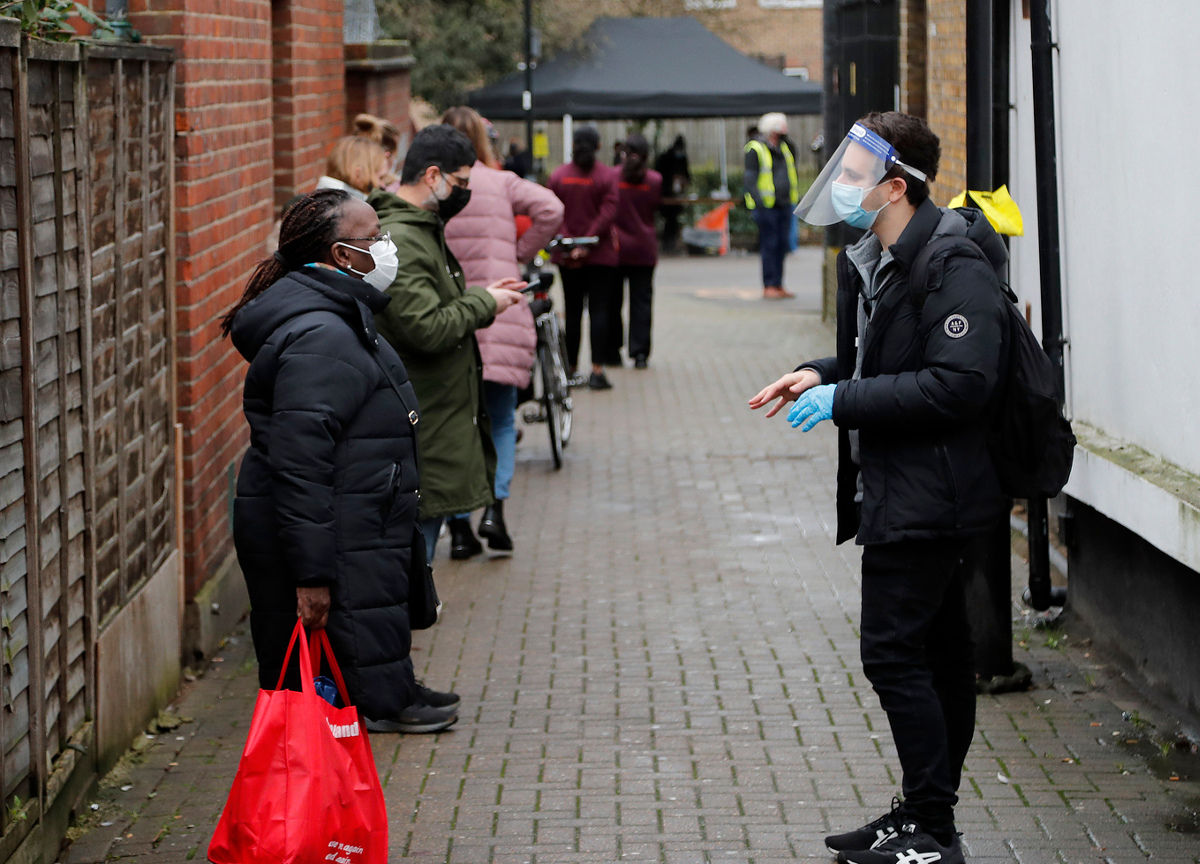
x=794 y=34
x=224 y=210
x=946 y=88
x=309 y=91
x=913 y=27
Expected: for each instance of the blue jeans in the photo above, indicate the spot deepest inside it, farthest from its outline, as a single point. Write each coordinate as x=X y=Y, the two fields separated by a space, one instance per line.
x=501 y=401
x=430 y=528
x=774 y=231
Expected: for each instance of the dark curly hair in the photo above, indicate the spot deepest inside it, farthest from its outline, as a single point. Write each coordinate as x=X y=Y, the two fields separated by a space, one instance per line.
x=441 y=146
x=915 y=144
x=309 y=227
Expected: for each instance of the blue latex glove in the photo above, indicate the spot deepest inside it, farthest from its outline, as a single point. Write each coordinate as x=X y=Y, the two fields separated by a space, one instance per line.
x=814 y=405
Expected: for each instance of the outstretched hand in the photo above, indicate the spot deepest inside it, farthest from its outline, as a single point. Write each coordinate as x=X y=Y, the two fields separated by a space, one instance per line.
x=786 y=390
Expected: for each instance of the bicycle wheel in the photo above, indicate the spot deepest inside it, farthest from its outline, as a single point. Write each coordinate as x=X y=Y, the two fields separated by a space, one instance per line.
x=551 y=403
x=564 y=387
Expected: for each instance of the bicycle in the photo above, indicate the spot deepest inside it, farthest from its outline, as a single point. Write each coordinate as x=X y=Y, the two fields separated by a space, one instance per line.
x=550 y=383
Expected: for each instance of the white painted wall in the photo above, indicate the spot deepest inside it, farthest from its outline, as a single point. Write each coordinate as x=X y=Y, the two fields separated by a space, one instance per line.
x=1129 y=173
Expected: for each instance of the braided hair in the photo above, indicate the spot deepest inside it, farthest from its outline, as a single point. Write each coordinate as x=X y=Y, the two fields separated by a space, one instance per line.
x=309 y=228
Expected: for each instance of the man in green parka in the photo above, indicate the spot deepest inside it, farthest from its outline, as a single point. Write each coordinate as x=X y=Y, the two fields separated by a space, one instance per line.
x=431 y=321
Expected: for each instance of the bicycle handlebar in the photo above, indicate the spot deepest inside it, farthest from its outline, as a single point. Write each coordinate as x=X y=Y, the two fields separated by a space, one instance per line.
x=561 y=242
x=540 y=282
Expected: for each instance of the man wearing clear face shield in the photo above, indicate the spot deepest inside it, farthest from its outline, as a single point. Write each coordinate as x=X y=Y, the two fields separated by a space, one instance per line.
x=909 y=390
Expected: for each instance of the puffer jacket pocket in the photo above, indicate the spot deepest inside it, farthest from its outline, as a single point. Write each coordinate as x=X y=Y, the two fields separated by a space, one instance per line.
x=391 y=493
x=919 y=491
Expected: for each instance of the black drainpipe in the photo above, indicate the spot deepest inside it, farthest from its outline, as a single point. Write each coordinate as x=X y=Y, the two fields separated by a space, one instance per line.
x=1041 y=595
x=980 y=93
x=986 y=564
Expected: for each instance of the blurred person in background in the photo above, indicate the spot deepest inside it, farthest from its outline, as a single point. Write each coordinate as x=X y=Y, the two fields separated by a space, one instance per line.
x=431 y=322
x=588 y=190
x=356 y=166
x=639 y=194
x=386 y=134
x=772 y=193
x=519 y=161
x=483 y=237
x=618 y=152
x=677 y=177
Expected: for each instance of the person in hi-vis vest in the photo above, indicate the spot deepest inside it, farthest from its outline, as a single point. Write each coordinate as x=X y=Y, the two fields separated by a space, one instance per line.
x=772 y=193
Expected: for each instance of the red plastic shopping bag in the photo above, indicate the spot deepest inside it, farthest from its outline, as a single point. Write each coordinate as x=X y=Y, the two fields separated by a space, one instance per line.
x=306 y=790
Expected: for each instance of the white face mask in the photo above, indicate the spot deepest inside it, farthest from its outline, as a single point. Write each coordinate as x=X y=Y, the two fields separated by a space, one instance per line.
x=383 y=253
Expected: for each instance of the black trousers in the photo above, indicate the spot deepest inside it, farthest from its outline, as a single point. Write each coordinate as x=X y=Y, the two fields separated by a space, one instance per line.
x=917 y=654
x=671 y=229
x=641 y=303
x=593 y=287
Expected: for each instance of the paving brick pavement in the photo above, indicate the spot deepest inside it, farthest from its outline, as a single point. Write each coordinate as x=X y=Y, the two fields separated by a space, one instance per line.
x=667 y=669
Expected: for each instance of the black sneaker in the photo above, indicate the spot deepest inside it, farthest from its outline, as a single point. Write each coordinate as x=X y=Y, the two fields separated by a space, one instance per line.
x=870 y=835
x=640 y=362
x=599 y=381
x=436 y=698
x=416 y=719
x=911 y=846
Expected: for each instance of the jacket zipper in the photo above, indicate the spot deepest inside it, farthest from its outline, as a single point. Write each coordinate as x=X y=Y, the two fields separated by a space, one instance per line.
x=875 y=323
x=389 y=503
x=945 y=454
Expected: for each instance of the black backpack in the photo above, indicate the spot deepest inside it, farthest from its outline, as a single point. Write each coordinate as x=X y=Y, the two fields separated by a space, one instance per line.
x=1029 y=439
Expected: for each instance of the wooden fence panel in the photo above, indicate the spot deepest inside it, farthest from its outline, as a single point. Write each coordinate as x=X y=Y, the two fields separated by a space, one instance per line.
x=15 y=726
x=59 y=415
x=86 y=387
x=131 y=136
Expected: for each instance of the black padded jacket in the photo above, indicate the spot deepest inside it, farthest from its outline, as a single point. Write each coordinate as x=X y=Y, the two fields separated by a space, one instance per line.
x=327 y=492
x=922 y=403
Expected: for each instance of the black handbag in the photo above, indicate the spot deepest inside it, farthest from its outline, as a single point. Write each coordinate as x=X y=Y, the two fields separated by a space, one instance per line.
x=424 y=607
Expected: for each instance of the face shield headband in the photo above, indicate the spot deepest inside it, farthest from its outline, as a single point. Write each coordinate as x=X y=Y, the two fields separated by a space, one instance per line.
x=860 y=161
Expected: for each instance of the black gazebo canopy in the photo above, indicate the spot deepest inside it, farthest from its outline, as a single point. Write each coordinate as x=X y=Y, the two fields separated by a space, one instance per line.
x=628 y=68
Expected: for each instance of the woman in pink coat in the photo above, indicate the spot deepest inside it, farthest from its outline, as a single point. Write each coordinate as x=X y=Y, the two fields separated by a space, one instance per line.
x=483 y=237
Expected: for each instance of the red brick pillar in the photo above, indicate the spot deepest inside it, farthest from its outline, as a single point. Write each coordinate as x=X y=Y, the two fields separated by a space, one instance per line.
x=913 y=57
x=225 y=192
x=947 y=92
x=309 y=91
x=379 y=81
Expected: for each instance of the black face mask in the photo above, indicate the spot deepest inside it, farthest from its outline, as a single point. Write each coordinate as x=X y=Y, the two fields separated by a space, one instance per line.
x=452 y=204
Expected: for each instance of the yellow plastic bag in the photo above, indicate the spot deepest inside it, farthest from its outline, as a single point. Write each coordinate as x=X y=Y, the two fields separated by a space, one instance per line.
x=999 y=208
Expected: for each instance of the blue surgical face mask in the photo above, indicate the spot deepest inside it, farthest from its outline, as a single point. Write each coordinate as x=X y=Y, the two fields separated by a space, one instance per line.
x=847 y=203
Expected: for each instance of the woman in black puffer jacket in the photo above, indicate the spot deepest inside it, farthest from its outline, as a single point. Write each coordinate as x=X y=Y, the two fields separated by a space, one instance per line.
x=325 y=516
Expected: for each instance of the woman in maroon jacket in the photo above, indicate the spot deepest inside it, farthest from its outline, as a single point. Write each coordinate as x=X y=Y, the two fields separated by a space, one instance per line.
x=639 y=194
x=588 y=190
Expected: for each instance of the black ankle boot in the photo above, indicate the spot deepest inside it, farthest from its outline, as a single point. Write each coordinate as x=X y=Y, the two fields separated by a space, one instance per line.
x=463 y=543
x=492 y=527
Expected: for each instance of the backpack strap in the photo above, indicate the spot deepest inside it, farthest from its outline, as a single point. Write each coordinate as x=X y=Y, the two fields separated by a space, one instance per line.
x=939 y=248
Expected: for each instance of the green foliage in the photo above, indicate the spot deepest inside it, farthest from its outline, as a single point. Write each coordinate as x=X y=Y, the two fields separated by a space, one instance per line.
x=49 y=19
x=458 y=44
x=17 y=811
